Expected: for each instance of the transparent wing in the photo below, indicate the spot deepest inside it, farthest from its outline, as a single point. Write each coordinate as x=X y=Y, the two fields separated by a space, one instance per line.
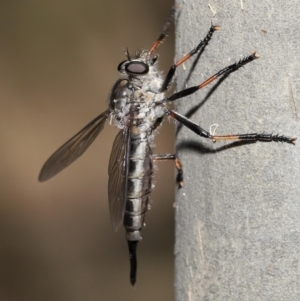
x=73 y=148
x=118 y=177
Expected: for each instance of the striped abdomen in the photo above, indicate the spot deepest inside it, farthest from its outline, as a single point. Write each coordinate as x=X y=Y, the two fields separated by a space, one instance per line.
x=139 y=186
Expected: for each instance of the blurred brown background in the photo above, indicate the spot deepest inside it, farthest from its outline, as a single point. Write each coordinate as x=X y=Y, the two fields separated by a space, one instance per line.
x=58 y=61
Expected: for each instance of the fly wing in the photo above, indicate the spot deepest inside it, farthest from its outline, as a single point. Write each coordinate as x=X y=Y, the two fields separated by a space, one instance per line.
x=73 y=148
x=118 y=177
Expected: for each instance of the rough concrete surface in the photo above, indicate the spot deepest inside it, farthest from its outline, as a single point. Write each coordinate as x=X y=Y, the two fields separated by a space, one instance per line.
x=238 y=215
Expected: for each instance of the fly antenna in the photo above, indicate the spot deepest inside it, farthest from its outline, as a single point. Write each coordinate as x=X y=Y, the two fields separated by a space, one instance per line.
x=127 y=53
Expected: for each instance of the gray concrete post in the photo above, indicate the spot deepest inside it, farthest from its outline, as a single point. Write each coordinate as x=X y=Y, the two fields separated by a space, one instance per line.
x=238 y=215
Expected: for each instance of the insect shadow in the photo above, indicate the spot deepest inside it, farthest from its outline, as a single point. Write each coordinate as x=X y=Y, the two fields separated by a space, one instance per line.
x=194 y=109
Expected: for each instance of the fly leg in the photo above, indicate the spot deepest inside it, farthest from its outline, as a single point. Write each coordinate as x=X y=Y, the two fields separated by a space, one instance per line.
x=242 y=137
x=165 y=30
x=167 y=157
x=226 y=70
x=201 y=45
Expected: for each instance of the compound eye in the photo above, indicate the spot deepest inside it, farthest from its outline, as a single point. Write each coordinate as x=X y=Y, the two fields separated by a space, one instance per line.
x=121 y=66
x=137 y=68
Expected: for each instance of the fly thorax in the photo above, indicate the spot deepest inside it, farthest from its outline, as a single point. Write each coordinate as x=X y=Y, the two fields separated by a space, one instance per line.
x=138 y=131
x=154 y=82
x=120 y=103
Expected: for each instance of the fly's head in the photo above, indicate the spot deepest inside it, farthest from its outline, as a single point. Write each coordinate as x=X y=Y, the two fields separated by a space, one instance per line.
x=139 y=66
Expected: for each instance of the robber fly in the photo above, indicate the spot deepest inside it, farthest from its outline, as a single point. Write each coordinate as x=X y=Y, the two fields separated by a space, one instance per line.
x=137 y=106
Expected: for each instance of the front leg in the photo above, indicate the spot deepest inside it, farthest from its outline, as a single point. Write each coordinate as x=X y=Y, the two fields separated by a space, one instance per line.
x=200 y=46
